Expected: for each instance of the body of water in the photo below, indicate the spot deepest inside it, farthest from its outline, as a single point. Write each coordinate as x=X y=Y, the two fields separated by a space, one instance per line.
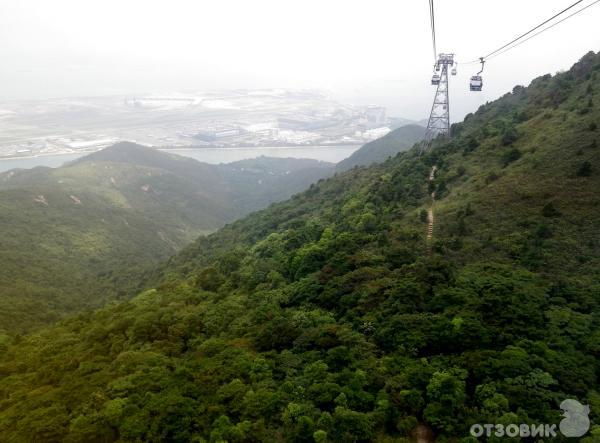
x=52 y=161
x=331 y=154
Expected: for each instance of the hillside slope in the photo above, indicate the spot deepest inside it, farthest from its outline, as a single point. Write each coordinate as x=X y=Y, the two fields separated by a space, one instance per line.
x=325 y=318
x=78 y=235
x=256 y=183
x=379 y=150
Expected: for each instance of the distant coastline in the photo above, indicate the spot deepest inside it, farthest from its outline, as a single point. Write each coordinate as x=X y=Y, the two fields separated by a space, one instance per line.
x=51 y=154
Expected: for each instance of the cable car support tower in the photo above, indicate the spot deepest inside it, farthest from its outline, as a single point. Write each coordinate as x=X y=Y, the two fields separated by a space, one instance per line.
x=439 y=118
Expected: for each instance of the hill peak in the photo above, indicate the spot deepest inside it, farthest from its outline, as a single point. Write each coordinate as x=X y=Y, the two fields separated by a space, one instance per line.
x=128 y=152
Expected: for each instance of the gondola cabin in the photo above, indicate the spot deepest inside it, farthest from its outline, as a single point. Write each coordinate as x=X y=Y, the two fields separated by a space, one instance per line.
x=476 y=83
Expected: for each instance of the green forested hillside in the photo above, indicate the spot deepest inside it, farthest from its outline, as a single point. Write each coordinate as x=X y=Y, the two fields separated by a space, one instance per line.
x=75 y=236
x=257 y=182
x=379 y=150
x=329 y=318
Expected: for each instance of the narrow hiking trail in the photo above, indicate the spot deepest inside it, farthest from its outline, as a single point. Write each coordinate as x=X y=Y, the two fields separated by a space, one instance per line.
x=423 y=434
x=430 y=214
x=430 y=222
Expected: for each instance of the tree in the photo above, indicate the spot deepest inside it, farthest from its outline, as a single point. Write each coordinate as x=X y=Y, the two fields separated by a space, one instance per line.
x=320 y=436
x=509 y=135
x=446 y=394
x=351 y=426
x=209 y=279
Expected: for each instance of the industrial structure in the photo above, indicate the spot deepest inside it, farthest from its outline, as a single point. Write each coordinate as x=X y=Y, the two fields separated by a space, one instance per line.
x=439 y=118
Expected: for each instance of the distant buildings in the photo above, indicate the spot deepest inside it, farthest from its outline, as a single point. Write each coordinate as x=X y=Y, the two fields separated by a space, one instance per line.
x=238 y=118
x=211 y=135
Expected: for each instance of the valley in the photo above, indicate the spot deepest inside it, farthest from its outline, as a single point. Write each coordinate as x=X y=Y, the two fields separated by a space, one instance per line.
x=81 y=234
x=96 y=225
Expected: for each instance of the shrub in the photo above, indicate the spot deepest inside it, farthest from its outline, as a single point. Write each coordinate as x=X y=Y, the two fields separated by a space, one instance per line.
x=469 y=145
x=511 y=156
x=406 y=424
x=585 y=170
x=520 y=116
x=542 y=231
x=550 y=211
x=491 y=177
x=509 y=135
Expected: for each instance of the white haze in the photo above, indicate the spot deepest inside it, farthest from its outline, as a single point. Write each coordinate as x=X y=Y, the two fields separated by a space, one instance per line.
x=362 y=52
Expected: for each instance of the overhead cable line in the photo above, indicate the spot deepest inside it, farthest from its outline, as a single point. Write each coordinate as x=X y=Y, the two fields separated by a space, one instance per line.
x=533 y=29
x=545 y=29
x=432 y=21
x=478 y=60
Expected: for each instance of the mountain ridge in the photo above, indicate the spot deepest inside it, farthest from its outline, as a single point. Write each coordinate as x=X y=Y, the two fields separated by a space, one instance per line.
x=377 y=151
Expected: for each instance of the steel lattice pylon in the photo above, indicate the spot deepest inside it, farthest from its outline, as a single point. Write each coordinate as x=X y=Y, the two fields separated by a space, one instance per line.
x=439 y=118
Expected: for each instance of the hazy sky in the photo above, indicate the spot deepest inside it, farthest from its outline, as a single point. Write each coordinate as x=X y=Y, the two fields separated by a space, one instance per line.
x=376 y=51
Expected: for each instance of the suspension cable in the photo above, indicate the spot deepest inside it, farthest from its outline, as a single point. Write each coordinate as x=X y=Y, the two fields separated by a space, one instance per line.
x=545 y=29
x=432 y=21
x=478 y=60
x=533 y=29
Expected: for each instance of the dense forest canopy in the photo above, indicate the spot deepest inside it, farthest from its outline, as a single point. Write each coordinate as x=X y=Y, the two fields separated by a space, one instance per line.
x=329 y=318
x=76 y=236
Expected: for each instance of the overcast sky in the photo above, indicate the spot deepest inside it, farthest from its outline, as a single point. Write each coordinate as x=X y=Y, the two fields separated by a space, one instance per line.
x=375 y=51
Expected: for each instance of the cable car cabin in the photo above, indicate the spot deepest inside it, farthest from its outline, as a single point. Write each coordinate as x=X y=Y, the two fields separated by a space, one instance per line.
x=435 y=80
x=453 y=71
x=476 y=83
